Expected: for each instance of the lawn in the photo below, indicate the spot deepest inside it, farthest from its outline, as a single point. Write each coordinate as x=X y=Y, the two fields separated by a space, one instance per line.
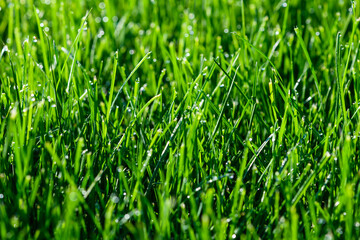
x=168 y=119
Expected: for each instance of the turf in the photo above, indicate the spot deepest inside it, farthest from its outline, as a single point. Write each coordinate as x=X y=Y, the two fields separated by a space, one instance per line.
x=171 y=119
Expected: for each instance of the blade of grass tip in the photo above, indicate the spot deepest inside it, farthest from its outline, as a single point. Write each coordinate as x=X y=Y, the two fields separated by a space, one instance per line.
x=243 y=27
x=272 y=52
x=92 y=185
x=282 y=89
x=146 y=105
x=225 y=121
x=257 y=153
x=272 y=99
x=308 y=59
x=17 y=87
x=223 y=70
x=133 y=122
x=77 y=39
x=71 y=71
x=78 y=154
x=297 y=108
x=57 y=102
x=243 y=18
x=223 y=104
x=128 y=78
x=261 y=53
x=4 y=50
x=112 y=86
x=43 y=45
x=340 y=83
x=253 y=109
x=283 y=121
x=351 y=42
x=236 y=125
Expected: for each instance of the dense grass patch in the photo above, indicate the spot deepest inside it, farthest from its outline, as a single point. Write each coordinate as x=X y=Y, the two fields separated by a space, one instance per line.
x=179 y=119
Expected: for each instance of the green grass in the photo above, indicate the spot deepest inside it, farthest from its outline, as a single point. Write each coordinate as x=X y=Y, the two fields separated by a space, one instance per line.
x=174 y=119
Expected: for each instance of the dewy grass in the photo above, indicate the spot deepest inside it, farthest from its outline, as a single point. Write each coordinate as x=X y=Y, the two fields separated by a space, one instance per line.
x=179 y=119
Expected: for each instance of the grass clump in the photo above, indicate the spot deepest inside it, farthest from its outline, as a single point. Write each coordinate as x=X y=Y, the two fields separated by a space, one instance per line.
x=165 y=119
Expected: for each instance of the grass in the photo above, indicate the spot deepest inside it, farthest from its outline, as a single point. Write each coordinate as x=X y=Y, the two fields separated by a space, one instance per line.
x=179 y=119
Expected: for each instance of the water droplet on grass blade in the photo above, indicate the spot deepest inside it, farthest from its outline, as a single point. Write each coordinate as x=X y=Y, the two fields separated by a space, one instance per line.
x=114 y=198
x=73 y=196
